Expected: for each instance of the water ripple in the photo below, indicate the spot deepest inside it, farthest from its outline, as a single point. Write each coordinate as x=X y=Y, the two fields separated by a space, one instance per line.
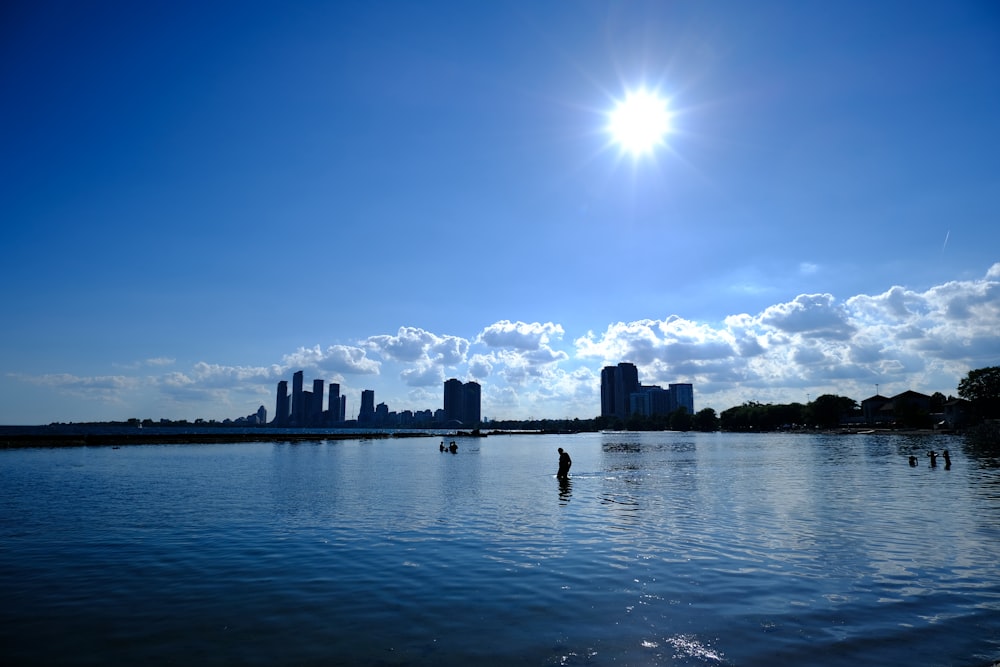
x=661 y=549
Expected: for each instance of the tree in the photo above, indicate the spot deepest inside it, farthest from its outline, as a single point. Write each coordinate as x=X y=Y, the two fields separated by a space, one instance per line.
x=981 y=388
x=827 y=410
x=705 y=420
x=680 y=420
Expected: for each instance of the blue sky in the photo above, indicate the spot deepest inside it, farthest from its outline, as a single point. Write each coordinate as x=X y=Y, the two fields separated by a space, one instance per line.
x=201 y=198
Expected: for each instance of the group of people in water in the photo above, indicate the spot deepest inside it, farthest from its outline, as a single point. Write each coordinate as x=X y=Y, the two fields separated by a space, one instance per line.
x=933 y=456
x=564 y=460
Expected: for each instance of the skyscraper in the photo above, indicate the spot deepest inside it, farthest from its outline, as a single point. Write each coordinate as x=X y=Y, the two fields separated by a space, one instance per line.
x=618 y=383
x=316 y=407
x=471 y=408
x=334 y=404
x=298 y=405
x=453 y=400
x=281 y=407
x=367 y=413
x=608 y=391
x=462 y=402
x=682 y=396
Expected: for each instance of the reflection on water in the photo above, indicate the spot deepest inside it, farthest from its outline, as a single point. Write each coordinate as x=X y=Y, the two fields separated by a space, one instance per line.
x=660 y=549
x=565 y=489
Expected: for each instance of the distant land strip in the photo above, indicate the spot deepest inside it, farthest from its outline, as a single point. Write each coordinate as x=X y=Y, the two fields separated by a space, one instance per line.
x=12 y=437
x=98 y=440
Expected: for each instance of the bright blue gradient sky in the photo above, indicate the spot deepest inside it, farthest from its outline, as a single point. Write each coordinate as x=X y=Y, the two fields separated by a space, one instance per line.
x=201 y=198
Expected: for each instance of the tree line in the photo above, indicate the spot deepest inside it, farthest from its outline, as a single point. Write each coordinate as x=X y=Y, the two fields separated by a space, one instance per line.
x=980 y=388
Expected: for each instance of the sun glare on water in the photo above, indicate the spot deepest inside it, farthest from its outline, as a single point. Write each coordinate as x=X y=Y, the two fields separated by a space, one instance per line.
x=640 y=122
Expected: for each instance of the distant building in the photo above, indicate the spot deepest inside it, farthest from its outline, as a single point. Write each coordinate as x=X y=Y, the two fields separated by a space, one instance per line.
x=462 y=402
x=881 y=410
x=282 y=405
x=623 y=396
x=316 y=407
x=298 y=406
x=334 y=415
x=618 y=383
x=956 y=413
x=453 y=400
x=650 y=400
x=871 y=409
x=681 y=396
x=471 y=403
x=306 y=408
x=367 y=413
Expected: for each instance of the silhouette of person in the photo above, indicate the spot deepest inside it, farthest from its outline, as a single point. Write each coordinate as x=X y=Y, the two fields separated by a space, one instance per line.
x=947 y=459
x=933 y=456
x=564 y=464
x=453 y=448
x=913 y=461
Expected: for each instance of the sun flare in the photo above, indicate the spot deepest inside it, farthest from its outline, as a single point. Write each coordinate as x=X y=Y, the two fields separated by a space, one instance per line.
x=640 y=122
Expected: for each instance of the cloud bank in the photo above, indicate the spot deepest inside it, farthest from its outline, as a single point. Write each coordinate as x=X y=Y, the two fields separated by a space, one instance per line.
x=812 y=344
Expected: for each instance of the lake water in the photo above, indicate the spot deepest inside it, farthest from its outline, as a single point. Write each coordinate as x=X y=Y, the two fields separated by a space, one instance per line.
x=662 y=549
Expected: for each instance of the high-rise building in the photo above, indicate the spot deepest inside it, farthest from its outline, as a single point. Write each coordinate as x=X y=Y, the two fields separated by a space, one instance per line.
x=471 y=404
x=618 y=383
x=307 y=406
x=298 y=407
x=282 y=406
x=453 y=400
x=650 y=400
x=682 y=396
x=316 y=408
x=462 y=402
x=367 y=413
x=608 y=391
x=626 y=384
x=333 y=405
x=622 y=395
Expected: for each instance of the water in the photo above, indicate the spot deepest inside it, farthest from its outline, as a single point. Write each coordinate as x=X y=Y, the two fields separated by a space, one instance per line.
x=662 y=549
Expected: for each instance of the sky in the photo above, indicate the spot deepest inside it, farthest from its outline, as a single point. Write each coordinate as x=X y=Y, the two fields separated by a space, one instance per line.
x=199 y=199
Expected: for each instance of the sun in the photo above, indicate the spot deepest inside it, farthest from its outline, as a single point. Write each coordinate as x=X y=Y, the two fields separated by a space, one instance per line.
x=640 y=122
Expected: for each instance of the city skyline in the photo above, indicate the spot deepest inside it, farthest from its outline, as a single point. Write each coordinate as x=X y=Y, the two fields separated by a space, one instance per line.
x=302 y=408
x=202 y=200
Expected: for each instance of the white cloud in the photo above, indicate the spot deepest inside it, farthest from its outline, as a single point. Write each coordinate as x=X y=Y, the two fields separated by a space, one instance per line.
x=67 y=382
x=422 y=376
x=816 y=315
x=522 y=336
x=344 y=359
x=902 y=338
x=417 y=345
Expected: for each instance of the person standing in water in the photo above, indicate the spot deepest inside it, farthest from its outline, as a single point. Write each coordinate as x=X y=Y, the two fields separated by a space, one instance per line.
x=564 y=464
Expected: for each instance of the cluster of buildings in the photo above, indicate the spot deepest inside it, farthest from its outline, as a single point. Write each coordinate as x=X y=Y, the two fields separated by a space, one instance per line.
x=882 y=410
x=305 y=408
x=622 y=396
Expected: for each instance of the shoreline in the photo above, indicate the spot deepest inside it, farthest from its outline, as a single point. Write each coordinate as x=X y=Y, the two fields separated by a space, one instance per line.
x=57 y=436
